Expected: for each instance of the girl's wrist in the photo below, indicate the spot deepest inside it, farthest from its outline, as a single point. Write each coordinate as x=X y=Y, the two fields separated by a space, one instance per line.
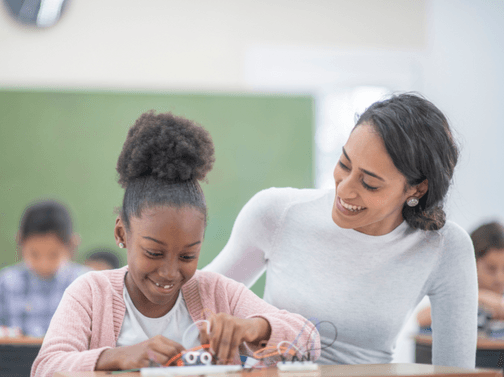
x=108 y=360
x=262 y=330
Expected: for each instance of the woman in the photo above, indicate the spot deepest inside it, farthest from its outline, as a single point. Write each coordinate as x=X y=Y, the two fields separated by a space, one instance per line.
x=364 y=254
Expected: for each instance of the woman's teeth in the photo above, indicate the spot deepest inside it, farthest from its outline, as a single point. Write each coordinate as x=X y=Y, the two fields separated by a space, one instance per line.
x=164 y=286
x=351 y=207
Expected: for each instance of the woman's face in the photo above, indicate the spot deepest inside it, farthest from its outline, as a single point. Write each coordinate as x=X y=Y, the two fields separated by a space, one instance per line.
x=370 y=191
x=491 y=271
x=163 y=249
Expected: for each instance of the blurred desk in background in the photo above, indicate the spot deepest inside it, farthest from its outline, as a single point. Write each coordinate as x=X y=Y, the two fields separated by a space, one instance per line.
x=487 y=353
x=369 y=370
x=17 y=355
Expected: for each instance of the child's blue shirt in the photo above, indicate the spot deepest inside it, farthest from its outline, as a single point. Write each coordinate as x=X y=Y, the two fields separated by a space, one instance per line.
x=27 y=301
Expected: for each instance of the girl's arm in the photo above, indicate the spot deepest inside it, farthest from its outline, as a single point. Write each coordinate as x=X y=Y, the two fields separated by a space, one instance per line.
x=244 y=256
x=67 y=341
x=268 y=324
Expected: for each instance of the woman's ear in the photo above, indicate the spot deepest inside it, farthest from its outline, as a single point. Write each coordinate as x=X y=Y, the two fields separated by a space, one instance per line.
x=419 y=190
x=120 y=232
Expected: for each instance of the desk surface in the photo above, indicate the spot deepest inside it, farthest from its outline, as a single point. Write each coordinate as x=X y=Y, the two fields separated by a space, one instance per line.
x=484 y=342
x=394 y=370
x=22 y=340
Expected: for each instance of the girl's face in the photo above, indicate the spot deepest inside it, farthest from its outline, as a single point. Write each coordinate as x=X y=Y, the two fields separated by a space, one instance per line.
x=491 y=271
x=163 y=250
x=370 y=191
x=44 y=254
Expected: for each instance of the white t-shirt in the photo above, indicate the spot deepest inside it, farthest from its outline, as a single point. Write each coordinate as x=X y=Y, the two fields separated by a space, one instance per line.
x=137 y=328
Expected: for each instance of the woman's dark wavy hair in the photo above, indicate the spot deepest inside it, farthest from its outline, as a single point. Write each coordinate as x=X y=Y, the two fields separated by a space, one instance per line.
x=418 y=138
x=488 y=236
x=162 y=160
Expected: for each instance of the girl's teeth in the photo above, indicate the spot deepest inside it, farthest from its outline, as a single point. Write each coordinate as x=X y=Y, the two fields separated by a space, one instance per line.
x=165 y=287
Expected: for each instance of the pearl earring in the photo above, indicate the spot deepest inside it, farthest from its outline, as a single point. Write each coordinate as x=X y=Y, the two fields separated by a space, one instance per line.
x=412 y=202
x=121 y=245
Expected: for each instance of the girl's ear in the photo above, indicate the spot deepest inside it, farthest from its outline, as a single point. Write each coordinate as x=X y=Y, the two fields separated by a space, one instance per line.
x=120 y=232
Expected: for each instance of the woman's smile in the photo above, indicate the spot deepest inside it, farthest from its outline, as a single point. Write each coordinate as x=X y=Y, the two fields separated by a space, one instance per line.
x=348 y=209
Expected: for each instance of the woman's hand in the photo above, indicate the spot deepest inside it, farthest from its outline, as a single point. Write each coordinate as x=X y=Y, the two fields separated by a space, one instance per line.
x=157 y=349
x=228 y=332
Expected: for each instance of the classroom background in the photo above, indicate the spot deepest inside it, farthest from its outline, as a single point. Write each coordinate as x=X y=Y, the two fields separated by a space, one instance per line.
x=277 y=83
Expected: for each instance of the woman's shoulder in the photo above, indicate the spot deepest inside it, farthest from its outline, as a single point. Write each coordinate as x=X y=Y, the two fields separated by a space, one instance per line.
x=278 y=199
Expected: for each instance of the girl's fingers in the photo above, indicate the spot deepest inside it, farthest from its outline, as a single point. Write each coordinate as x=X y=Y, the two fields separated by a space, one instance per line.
x=215 y=335
x=226 y=342
x=204 y=337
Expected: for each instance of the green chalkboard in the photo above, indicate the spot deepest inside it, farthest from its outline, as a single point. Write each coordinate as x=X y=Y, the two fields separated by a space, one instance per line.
x=65 y=145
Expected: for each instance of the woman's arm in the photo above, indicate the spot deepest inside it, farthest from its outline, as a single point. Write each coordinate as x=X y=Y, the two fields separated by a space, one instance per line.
x=454 y=301
x=245 y=254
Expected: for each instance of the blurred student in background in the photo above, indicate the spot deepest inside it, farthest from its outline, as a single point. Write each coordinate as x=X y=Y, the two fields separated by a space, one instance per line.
x=488 y=241
x=102 y=259
x=31 y=290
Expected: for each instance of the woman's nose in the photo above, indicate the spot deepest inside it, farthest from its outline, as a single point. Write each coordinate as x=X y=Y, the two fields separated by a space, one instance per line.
x=345 y=186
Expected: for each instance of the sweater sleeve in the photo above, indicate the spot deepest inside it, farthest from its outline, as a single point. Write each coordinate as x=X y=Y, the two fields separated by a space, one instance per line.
x=245 y=255
x=454 y=301
x=285 y=326
x=67 y=341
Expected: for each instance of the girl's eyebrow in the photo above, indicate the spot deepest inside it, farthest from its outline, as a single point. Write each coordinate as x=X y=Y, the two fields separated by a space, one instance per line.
x=162 y=243
x=153 y=239
x=363 y=170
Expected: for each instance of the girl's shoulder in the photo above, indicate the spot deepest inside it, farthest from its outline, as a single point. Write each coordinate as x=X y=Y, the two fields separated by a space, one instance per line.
x=93 y=282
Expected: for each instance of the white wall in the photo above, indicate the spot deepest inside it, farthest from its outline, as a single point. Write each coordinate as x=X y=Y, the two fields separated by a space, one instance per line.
x=191 y=45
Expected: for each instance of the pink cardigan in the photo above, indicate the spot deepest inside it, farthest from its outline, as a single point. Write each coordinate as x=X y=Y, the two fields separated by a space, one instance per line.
x=90 y=315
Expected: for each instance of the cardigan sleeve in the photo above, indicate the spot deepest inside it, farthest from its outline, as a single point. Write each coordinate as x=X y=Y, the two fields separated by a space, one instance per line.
x=67 y=341
x=454 y=301
x=285 y=326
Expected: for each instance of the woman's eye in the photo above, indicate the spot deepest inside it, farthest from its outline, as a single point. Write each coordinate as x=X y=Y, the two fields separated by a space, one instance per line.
x=367 y=187
x=343 y=166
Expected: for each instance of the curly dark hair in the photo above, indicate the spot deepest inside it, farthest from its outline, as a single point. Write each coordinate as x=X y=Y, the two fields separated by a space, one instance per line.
x=419 y=141
x=162 y=160
x=488 y=236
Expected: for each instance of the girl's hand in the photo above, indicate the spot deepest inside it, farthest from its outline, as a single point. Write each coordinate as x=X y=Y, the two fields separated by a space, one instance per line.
x=157 y=349
x=228 y=332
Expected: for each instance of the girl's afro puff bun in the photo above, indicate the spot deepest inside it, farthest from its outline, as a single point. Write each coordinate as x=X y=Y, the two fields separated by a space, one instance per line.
x=167 y=147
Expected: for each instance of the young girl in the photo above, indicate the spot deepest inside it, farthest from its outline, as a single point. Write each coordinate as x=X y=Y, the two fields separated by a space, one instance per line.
x=30 y=291
x=136 y=315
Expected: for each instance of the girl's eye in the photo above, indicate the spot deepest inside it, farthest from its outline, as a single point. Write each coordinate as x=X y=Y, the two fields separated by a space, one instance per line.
x=152 y=254
x=188 y=258
x=344 y=167
x=367 y=187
